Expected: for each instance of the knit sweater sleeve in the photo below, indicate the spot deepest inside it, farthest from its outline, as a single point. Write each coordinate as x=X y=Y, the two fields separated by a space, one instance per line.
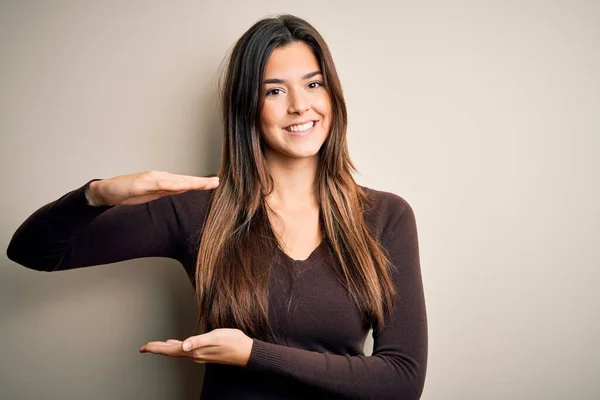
x=69 y=233
x=396 y=369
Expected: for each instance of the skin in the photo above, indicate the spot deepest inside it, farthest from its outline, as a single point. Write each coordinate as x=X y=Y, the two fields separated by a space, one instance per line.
x=299 y=96
x=293 y=92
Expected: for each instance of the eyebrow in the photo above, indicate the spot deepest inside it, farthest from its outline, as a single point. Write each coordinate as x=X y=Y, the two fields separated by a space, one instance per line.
x=280 y=81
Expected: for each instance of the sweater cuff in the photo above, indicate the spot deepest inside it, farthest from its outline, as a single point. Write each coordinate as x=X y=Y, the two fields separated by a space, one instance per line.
x=75 y=203
x=265 y=356
x=77 y=199
x=81 y=192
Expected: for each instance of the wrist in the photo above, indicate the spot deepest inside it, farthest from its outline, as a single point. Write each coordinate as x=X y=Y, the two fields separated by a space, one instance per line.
x=91 y=194
x=246 y=351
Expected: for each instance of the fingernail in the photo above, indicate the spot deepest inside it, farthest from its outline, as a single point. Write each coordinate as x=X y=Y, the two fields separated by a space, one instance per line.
x=187 y=346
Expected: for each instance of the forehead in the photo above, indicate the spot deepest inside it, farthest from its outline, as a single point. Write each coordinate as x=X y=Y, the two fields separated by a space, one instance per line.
x=291 y=62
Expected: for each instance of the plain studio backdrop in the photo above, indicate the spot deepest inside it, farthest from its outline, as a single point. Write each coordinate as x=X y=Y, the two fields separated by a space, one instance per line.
x=483 y=115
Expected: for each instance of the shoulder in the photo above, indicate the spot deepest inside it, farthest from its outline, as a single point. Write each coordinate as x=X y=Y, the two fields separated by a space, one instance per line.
x=384 y=210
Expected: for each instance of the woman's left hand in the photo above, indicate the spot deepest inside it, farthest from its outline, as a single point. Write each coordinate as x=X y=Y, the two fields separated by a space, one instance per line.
x=221 y=346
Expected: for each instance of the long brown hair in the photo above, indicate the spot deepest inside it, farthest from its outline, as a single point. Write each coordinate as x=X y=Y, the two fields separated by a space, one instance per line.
x=238 y=245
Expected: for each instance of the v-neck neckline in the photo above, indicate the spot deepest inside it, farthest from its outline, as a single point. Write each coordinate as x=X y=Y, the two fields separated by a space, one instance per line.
x=312 y=258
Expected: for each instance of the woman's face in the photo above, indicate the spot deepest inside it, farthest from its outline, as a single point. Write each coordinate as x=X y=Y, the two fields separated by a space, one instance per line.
x=296 y=109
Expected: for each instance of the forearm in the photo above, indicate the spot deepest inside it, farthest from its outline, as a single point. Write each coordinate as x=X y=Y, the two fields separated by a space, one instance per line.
x=42 y=239
x=387 y=375
x=70 y=233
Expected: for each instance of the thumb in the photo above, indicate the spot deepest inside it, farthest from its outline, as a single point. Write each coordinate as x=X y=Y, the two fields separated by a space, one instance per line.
x=195 y=342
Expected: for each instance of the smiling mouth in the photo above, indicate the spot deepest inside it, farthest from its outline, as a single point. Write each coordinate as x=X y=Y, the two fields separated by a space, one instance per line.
x=299 y=128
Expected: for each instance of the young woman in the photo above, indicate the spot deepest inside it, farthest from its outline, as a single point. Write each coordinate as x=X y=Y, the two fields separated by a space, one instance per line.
x=292 y=261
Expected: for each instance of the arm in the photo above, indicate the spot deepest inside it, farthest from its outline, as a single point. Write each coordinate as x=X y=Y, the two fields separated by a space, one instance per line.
x=70 y=233
x=396 y=370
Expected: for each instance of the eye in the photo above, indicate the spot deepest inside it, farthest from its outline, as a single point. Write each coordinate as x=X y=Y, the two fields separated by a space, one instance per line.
x=315 y=85
x=273 y=92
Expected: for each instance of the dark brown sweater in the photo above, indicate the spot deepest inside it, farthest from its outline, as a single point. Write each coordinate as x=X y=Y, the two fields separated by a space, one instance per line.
x=318 y=351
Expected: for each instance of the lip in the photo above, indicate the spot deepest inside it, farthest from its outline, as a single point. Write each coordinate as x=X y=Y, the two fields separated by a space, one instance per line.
x=305 y=133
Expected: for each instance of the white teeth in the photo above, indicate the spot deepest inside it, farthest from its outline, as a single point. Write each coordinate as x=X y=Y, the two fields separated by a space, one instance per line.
x=301 y=128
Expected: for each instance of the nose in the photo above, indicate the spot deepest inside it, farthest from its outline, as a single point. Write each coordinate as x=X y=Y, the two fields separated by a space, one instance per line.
x=298 y=102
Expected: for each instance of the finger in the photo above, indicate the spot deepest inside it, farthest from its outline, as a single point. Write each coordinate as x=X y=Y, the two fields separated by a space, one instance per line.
x=150 y=197
x=197 y=183
x=196 y=342
x=166 y=349
x=174 y=341
x=183 y=183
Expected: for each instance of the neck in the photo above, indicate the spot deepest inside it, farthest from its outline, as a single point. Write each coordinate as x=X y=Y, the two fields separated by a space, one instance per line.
x=294 y=181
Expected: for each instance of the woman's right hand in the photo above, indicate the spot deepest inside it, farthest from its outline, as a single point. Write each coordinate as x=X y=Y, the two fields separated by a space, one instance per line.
x=144 y=187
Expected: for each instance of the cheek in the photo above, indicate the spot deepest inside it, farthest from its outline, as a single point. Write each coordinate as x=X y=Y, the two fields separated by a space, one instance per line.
x=269 y=123
x=323 y=106
x=264 y=117
x=271 y=115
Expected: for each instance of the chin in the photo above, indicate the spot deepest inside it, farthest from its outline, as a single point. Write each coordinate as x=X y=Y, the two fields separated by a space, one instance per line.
x=300 y=154
x=296 y=154
x=294 y=150
x=307 y=156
